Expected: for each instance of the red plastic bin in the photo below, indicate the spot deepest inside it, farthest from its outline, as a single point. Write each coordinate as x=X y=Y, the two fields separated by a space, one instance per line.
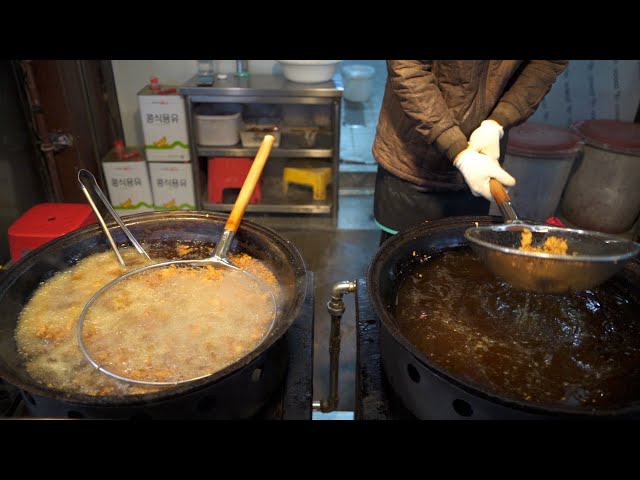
x=45 y=222
x=229 y=172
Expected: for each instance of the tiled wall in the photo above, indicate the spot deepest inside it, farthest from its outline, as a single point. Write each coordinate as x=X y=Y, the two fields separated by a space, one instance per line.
x=592 y=89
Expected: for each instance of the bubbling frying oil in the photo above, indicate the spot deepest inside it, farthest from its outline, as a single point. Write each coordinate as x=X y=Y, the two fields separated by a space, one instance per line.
x=177 y=323
x=46 y=329
x=580 y=349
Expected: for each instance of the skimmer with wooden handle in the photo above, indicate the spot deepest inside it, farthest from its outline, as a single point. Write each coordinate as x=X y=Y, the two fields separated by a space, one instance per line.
x=591 y=259
x=163 y=352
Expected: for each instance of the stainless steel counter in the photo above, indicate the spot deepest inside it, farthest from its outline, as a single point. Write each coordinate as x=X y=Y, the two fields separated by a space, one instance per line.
x=263 y=85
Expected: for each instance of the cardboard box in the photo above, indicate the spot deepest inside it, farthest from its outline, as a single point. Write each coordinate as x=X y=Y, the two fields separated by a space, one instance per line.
x=172 y=186
x=164 y=125
x=128 y=184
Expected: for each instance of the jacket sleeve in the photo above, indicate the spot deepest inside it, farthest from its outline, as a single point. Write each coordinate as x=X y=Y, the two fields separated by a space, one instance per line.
x=521 y=100
x=417 y=90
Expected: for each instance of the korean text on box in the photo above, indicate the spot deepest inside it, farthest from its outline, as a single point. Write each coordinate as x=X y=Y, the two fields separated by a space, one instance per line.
x=164 y=125
x=172 y=185
x=128 y=186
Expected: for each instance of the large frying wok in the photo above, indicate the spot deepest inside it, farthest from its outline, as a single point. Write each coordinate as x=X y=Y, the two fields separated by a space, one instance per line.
x=424 y=387
x=237 y=391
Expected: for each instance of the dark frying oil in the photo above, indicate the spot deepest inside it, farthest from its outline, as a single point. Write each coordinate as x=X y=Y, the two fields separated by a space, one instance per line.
x=580 y=349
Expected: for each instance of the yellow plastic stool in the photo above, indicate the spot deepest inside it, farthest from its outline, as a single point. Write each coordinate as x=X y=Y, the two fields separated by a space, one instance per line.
x=316 y=178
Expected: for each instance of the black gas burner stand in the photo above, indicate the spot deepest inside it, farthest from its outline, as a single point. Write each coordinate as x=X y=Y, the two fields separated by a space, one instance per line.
x=291 y=402
x=375 y=400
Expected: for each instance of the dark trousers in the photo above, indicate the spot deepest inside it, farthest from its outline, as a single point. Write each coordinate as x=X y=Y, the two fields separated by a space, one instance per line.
x=399 y=204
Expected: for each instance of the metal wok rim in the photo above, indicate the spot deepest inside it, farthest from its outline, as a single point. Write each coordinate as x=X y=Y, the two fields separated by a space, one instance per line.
x=469 y=235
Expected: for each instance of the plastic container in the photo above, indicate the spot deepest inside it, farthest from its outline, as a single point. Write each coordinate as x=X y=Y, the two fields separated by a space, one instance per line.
x=253 y=131
x=309 y=71
x=358 y=82
x=603 y=193
x=540 y=158
x=205 y=68
x=218 y=124
x=302 y=136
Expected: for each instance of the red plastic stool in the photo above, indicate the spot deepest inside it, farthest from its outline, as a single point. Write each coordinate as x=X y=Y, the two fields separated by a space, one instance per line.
x=45 y=222
x=229 y=172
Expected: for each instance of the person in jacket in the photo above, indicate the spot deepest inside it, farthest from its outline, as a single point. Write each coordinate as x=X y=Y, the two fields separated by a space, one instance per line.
x=442 y=133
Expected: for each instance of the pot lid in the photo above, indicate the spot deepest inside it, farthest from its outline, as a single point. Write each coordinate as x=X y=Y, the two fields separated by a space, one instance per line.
x=615 y=135
x=542 y=140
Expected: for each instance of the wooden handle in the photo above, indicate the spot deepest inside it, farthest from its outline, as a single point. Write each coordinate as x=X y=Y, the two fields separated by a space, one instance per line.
x=499 y=193
x=233 y=222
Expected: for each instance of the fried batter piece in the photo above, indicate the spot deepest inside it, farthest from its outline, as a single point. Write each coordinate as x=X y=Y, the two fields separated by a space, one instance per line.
x=250 y=264
x=183 y=250
x=554 y=245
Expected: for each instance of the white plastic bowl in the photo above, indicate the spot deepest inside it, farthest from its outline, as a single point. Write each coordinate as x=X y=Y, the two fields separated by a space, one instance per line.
x=309 y=71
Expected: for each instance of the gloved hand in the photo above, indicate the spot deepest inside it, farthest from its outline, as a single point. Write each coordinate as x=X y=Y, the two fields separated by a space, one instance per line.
x=478 y=168
x=486 y=139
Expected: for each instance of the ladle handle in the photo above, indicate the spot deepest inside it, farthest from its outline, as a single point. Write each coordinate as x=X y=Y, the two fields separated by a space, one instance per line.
x=249 y=185
x=502 y=199
x=88 y=181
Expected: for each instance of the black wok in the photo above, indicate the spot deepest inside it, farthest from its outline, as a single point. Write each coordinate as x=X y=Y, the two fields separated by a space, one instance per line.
x=237 y=391
x=424 y=387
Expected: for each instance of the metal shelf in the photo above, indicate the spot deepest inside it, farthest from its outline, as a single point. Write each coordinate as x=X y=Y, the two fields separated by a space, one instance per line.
x=318 y=209
x=290 y=146
x=263 y=88
x=297 y=200
x=298 y=207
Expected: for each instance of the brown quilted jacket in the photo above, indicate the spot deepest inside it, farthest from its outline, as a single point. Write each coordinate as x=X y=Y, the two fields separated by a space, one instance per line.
x=431 y=107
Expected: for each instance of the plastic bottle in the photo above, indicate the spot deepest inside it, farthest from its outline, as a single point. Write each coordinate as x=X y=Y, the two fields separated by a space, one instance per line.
x=119 y=150
x=241 y=68
x=206 y=72
x=155 y=85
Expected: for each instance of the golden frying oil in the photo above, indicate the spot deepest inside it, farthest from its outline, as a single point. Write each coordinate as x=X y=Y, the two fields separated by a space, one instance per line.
x=46 y=328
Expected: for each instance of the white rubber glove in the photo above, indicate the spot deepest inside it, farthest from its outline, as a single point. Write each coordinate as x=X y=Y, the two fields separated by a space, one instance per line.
x=486 y=139
x=478 y=168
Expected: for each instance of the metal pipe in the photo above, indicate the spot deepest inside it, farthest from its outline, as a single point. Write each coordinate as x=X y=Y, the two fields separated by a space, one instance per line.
x=336 y=309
